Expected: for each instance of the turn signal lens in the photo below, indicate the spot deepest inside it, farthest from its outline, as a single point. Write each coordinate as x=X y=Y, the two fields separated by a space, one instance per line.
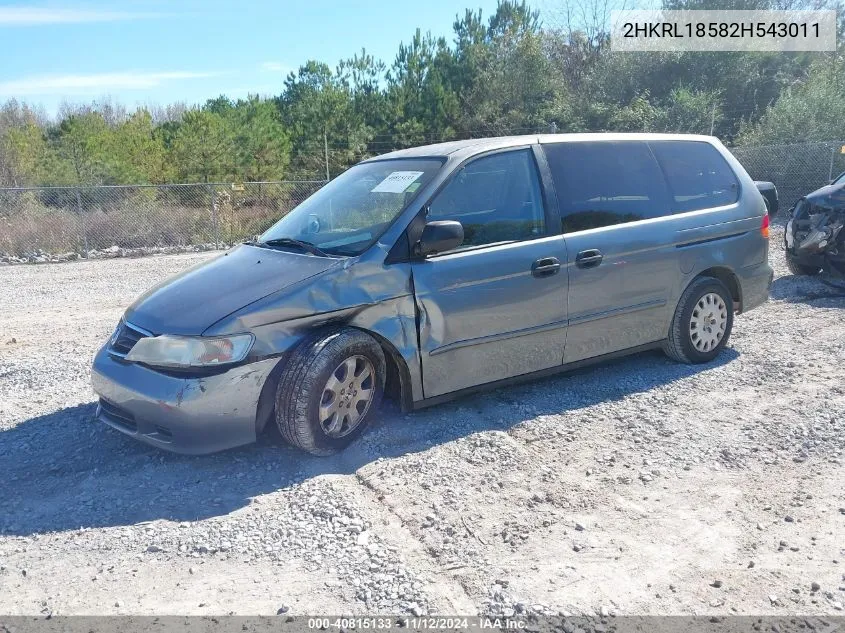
x=764 y=228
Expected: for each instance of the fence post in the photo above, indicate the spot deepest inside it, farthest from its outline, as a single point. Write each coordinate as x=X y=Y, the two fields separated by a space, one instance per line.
x=830 y=169
x=712 y=119
x=82 y=221
x=215 y=223
x=326 y=148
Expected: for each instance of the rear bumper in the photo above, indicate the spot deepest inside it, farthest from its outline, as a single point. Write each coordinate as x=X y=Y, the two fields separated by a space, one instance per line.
x=755 y=283
x=185 y=415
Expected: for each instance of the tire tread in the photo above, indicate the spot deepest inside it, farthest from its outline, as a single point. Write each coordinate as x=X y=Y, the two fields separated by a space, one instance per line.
x=673 y=347
x=297 y=382
x=799 y=269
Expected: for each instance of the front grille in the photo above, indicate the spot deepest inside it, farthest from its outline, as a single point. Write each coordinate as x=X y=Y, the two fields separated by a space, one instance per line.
x=118 y=416
x=125 y=337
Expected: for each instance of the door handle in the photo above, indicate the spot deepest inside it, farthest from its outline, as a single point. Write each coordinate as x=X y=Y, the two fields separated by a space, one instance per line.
x=545 y=267
x=589 y=258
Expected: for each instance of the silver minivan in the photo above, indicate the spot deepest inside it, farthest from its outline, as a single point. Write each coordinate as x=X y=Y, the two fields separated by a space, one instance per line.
x=431 y=272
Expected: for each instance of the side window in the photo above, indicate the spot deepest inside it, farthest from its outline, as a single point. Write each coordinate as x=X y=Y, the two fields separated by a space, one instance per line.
x=496 y=198
x=601 y=183
x=698 y=175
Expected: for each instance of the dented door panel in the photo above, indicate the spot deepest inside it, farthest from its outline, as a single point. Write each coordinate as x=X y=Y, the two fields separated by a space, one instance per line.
x=483 y=316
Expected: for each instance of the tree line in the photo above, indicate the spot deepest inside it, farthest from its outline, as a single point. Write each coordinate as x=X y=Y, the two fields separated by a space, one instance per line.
x=512 y=72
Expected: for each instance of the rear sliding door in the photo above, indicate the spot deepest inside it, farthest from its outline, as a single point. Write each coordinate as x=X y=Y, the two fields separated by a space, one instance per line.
x=621 y=262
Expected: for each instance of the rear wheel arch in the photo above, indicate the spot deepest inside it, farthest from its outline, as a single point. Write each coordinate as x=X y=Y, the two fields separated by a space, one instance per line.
x=727 y=277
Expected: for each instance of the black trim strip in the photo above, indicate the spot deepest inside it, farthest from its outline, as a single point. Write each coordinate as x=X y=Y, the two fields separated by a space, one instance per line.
x=655 y=303
x=497 y=337
x=707 y=240
x=543 y=373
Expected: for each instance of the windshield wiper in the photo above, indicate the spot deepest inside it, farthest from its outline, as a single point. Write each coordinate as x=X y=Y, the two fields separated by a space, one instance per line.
x=289 y=241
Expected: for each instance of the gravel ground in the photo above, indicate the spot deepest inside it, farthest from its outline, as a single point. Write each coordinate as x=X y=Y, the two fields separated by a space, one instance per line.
x=637 y=487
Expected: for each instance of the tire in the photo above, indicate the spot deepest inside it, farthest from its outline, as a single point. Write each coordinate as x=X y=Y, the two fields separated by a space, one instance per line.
x=687 y=343
x=333 y=359
x=796 y=268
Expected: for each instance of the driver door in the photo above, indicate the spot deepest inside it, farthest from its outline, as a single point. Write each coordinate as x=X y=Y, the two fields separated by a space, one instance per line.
x=495 y=307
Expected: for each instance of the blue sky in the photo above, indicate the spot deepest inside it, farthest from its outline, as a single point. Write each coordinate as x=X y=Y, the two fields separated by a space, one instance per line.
x=189 y=50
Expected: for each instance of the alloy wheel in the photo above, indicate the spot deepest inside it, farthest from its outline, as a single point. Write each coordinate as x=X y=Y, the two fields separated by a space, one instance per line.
x=347 y=396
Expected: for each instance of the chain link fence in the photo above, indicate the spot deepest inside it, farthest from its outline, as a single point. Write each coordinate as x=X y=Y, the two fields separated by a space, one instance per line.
x=63 y=223
x=796 y=168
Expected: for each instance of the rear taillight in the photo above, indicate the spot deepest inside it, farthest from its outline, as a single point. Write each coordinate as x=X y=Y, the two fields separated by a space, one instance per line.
x=764 y=228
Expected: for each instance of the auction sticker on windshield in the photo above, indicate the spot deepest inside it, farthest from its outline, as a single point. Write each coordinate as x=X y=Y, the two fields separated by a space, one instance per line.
x=397 y=182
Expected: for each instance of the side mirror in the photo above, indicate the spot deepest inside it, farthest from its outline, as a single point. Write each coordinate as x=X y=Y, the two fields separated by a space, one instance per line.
x=439 y=236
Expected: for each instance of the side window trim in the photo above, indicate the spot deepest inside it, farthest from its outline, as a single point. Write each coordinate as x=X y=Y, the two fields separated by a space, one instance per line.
x=415 y=227
x=554 y=219
x=549 y=187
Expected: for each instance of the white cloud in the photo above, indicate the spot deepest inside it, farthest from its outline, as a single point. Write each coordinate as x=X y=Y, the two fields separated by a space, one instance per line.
x=274 y=67
x=95 y=83
x=35 y=16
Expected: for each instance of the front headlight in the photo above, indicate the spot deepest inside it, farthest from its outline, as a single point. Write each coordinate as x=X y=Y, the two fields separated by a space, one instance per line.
x=190 y=351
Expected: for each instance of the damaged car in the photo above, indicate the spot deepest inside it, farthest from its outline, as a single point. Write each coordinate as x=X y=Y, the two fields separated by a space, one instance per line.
x=814 y=239
x=432 y=272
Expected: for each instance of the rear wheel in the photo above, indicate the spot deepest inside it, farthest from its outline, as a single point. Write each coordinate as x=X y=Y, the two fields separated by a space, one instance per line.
x=329 y=390
x=702 y=323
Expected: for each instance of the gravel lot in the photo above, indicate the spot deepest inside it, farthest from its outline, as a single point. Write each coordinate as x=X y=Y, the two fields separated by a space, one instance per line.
x=637 y=487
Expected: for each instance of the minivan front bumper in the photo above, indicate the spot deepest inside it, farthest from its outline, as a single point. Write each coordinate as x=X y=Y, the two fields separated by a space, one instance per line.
x=192 y=415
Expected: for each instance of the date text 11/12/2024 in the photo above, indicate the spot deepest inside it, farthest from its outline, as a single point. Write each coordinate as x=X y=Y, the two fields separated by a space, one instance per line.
x=431 y=623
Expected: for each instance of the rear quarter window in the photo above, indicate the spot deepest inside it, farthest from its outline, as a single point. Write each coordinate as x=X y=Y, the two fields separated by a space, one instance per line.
x=698 y=176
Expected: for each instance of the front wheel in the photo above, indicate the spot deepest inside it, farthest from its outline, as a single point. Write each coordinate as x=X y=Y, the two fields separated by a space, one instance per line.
x=797 y=268
x=702 y=322
x=329 y=390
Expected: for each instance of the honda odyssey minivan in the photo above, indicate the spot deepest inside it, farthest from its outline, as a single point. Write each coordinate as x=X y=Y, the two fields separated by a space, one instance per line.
x=431 y=272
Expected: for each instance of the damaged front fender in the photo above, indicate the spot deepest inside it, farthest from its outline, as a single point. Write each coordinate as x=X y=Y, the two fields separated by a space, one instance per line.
x=363 y=292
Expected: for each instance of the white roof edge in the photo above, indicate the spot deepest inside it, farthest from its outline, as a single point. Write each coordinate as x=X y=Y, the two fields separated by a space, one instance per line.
x=442 y=150
x=624 y=136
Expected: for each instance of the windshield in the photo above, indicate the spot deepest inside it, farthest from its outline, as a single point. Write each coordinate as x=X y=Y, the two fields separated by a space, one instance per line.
x=840 y=180
x=352 y=211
